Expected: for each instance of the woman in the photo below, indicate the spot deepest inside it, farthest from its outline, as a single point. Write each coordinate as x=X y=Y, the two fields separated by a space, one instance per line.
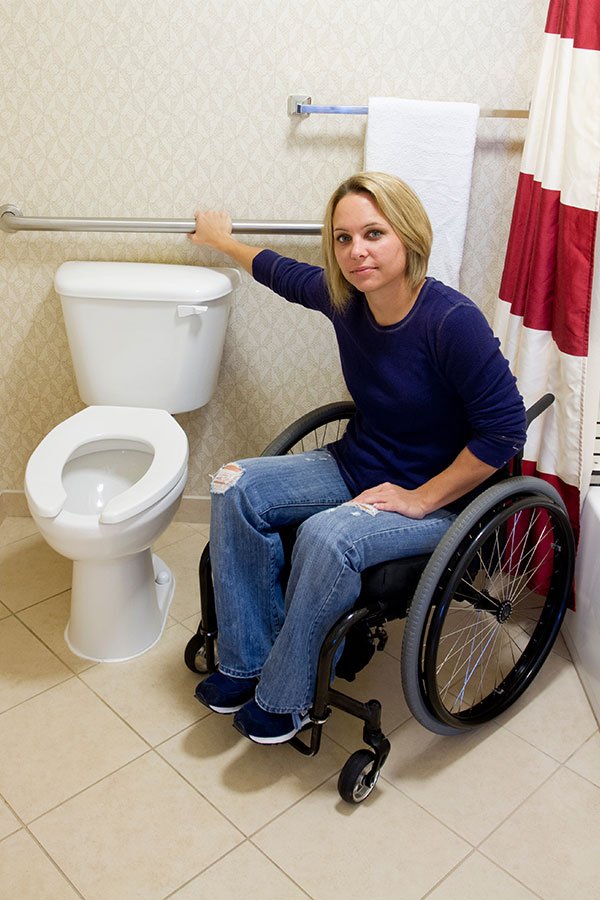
x=438 y=412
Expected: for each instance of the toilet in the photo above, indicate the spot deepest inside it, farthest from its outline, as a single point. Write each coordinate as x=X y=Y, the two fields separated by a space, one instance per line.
x=146 y=340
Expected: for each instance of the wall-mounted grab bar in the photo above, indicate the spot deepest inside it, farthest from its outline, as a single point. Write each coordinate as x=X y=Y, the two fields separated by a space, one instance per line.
x=301 y=105
x=12 y=219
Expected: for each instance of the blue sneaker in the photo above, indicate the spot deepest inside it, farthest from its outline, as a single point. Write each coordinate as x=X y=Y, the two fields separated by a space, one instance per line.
x=264 y=727
x=224 y=694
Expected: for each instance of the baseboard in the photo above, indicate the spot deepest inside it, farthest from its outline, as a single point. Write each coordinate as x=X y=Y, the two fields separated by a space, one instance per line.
x=192 y=509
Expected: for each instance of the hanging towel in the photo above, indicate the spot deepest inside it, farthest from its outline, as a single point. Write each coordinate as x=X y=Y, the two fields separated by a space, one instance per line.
x=429 y=145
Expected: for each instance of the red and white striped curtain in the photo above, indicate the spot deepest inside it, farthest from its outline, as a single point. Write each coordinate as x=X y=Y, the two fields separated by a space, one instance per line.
x=543 y=314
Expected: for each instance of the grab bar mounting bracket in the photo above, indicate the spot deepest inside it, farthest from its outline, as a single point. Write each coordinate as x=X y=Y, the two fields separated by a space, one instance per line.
x=5 y=212
x=295 y=101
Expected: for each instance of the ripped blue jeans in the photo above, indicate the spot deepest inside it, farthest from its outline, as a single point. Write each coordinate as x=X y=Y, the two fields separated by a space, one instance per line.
x=277 y=635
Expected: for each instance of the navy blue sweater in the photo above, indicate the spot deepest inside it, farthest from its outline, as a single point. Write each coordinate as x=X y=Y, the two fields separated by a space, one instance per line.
x=424 y=388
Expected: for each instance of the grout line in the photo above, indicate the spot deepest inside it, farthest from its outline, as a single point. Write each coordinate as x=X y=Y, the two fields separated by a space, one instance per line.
x=55 y=864
x=89 y=787
x=515 y=810
x=277 y=866
x=39 y=602
x=449 y=873
x=473 y=853
x=199 y=792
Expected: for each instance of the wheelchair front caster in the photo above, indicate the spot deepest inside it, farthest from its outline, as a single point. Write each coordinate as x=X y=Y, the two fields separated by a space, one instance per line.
x=358 y=777
x=196 y=657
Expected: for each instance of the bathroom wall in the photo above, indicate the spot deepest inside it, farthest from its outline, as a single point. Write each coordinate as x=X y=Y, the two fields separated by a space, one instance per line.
x=125 y=108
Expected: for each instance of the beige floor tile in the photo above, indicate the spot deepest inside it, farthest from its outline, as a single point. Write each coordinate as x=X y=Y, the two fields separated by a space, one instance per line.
x=155 y=691
x=245 y=872
x=4 y=611
x=554 y=714
x=31 y=571
x=470 y=782
x=551 y=842
x=150 y=832
x=586 y=761
x=177 y=531
x=561 y=648
x=26 y=666
x=81 y=742
x=192 y=622
x=8 y=822
x=385 y=847
x=381 y=681
x=478 y=877
x=183 y=558
x=250 y=784
x=26 y=873
x=395 y=632
x=201 y=527
x=14 y=528
x=48 y=621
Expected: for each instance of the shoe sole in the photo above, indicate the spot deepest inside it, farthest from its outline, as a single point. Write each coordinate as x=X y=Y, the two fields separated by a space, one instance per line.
x=222 y=710
x=225 y=710
x=279 y=739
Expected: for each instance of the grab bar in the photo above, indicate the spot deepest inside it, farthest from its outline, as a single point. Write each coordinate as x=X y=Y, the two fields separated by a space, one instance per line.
x=301 y=105
x=12 y=219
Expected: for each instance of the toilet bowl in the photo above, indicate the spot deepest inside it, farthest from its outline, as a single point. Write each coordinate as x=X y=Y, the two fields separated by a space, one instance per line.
x=102 y=486
x=146 y=341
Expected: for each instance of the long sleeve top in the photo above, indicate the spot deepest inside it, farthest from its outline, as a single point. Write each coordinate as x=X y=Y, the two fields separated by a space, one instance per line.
x=424 y=388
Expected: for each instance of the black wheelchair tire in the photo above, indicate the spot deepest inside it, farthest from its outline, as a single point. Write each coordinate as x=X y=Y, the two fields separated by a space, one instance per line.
x=194 y=656
x=418 y=675
x=305 y=425
x=357 y=780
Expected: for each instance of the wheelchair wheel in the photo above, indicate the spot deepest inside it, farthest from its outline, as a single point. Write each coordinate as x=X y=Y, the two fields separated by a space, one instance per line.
x=195 y=656
x=314 y=430
x=357 y=779
x=488 y=607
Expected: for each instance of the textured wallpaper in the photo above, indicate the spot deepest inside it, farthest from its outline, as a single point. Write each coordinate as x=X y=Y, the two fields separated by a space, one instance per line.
x=150 y=109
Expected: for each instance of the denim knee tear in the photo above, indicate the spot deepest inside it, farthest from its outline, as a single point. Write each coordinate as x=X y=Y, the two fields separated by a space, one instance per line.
x=225 y=478
x=366 y=507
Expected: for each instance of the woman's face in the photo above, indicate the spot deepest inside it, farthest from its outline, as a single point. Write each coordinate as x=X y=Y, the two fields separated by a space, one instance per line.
x=369 y=253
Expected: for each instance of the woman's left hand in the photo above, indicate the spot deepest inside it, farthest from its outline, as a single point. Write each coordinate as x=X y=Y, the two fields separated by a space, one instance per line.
x=393 y=498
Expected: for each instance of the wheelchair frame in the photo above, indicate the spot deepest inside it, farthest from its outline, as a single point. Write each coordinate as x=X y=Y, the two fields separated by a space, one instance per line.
x=423 y=589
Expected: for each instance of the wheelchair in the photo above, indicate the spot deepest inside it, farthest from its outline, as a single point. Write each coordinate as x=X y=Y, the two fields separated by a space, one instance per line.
x=482 y=611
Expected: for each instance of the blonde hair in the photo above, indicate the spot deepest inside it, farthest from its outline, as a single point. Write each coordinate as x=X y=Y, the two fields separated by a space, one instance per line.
x=401 y=207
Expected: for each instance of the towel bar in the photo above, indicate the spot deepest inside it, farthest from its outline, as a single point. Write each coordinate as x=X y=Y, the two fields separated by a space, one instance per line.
x=301 y=105
x=12 y=219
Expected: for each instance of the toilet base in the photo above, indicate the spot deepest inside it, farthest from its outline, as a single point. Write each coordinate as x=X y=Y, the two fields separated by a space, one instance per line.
x=118 y=607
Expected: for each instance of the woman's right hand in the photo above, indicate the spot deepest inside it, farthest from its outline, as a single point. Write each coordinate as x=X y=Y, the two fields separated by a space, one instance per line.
x=214 y=229
x=211 y=227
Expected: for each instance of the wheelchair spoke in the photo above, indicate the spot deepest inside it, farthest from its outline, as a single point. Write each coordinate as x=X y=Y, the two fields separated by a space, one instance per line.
x=480 y=656
x=470 y=668
x=528 y=573
x=489 y=645
x=484 y=668
x=314 y=430
x=456 y=653
x=492 y=651
x=483 y=640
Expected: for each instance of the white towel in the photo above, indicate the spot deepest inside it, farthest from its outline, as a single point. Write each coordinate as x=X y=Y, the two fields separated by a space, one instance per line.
x=429 y=145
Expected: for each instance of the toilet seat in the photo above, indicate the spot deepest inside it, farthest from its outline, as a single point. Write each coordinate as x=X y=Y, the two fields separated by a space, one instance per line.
x=154 y=427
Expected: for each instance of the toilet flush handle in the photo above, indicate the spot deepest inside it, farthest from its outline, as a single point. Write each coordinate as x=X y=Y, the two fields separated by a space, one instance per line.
x=191 y=310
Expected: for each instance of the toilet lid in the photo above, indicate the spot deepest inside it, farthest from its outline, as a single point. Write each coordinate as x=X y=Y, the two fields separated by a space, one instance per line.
x=155 y=427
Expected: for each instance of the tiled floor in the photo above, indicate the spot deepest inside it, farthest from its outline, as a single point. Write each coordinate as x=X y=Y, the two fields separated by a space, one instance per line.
x=116 y=784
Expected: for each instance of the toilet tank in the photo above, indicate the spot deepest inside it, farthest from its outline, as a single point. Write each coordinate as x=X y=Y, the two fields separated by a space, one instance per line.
x=145 y=334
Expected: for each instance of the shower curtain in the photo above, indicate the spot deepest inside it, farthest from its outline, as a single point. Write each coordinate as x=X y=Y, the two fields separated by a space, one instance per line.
x=545 y=303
